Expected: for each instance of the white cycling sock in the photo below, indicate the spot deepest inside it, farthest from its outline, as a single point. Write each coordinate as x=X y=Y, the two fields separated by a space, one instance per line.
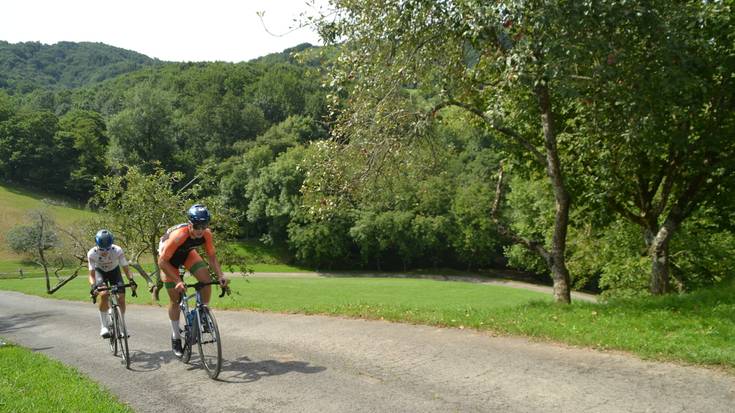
x=103 y=319
x=175 y=329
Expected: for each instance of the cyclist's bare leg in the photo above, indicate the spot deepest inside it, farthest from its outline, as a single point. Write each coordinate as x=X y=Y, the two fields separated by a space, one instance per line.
x=173 y=304
x=121 y=301
x=202 y=275
x=102 y=302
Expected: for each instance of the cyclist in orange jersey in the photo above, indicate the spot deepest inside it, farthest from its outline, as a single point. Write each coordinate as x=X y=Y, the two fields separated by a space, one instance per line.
x=178 y=247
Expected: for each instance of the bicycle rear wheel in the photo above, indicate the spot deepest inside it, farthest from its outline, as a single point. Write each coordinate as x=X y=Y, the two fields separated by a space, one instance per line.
x=122 y=335
x=113 y=332
x=210 y=346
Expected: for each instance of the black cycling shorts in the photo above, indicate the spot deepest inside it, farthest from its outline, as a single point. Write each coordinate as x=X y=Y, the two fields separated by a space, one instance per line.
x=109 y=277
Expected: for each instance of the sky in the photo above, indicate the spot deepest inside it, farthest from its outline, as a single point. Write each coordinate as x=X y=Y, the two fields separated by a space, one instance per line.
x=180 y=30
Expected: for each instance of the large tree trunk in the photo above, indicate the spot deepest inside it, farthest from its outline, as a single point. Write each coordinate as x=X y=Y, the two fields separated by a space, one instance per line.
x=557 y=261
x=658 y=248
x=660 y=269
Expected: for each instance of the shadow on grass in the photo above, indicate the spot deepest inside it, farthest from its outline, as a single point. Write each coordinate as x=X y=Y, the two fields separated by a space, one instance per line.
x=244 y=370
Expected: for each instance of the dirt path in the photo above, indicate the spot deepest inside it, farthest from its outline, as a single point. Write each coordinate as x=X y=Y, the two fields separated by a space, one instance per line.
x=296 y=363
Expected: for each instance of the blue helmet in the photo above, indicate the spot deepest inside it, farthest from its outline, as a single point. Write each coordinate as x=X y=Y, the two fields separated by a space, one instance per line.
x=104 y=238
x=198 y=214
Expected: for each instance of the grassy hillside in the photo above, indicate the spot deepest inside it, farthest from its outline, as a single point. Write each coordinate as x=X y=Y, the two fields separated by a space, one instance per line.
x=32 y=65
x=14 y=207
x=15 y=204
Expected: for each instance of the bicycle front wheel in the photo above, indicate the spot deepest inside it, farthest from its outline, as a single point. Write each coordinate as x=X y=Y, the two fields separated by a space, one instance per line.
x=210 y=346
x=122 y=335
x=113 y=331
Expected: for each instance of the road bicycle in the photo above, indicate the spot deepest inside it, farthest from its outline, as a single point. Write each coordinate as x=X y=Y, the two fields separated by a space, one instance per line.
x=200 y=328
x=118 y=330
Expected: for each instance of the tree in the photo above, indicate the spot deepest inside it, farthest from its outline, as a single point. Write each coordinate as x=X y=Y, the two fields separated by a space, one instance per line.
x=140 y=207
x=33 y=152
x=143 y=132
x=657 y=113
x=502 y=62
x=88 y=131
x=275 y=193
x=40 y=242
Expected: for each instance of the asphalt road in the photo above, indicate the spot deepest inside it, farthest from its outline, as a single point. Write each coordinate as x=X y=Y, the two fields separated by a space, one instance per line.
x=295 y=363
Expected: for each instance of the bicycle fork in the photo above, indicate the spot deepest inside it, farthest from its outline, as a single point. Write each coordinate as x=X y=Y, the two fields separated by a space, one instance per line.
x=191 y=317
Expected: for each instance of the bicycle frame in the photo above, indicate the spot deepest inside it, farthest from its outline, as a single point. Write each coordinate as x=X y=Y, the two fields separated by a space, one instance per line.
x=119 y=332
x=193 y=334
x=184 y=305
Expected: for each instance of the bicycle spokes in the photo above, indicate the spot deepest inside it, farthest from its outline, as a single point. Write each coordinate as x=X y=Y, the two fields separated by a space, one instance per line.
x=210 y=348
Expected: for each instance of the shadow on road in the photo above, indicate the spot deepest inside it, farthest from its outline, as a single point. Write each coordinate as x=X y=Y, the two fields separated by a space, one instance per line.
x=244 y=370
x=16 y=322
x=141 y=361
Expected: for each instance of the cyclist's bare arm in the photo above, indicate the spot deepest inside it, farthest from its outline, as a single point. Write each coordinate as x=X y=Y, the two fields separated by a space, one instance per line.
x=126 y=268
x=214 y=265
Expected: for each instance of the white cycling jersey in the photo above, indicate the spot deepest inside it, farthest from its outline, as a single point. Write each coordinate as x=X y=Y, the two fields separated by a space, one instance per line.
x=106 y=260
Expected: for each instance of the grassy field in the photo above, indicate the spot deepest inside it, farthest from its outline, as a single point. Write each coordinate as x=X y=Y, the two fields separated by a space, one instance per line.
x=696 y=328
x=15 y=205
x=31 y=382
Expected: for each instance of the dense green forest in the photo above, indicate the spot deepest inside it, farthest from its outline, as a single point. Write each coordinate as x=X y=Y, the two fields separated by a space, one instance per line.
x=594 y=146
x=29 y=66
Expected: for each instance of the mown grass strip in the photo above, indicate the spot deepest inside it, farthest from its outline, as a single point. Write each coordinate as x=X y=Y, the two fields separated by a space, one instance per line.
x=697 y=328
x=31 y=382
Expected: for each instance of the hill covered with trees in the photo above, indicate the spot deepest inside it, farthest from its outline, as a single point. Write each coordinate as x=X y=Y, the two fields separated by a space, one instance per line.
x=28 y=66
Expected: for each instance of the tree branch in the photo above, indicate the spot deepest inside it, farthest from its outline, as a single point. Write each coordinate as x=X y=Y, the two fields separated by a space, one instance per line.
x=532 y=245
x=513 y=134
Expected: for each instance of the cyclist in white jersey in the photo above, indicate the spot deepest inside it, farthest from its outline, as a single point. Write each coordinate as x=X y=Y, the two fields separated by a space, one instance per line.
x=105 y=260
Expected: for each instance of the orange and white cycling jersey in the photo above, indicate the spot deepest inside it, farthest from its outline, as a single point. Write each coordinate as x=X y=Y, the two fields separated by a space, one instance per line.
x=177 y=242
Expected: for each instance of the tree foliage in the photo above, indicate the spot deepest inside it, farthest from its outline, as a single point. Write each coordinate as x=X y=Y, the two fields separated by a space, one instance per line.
x=29 y=66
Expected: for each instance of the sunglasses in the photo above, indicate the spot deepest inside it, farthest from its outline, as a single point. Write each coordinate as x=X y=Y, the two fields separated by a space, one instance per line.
x=200 y=226
x=104 y=249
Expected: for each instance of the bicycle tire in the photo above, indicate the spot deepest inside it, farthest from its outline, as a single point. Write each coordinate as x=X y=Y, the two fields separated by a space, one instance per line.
x=187 y=342
x=113 y=332
x=123 y=337
x=209 y=343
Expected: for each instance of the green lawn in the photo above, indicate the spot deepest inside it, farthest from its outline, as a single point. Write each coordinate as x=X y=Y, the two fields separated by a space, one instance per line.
x=31 y=382
x=373 y=297
x=9 y=268
x=694 y=328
